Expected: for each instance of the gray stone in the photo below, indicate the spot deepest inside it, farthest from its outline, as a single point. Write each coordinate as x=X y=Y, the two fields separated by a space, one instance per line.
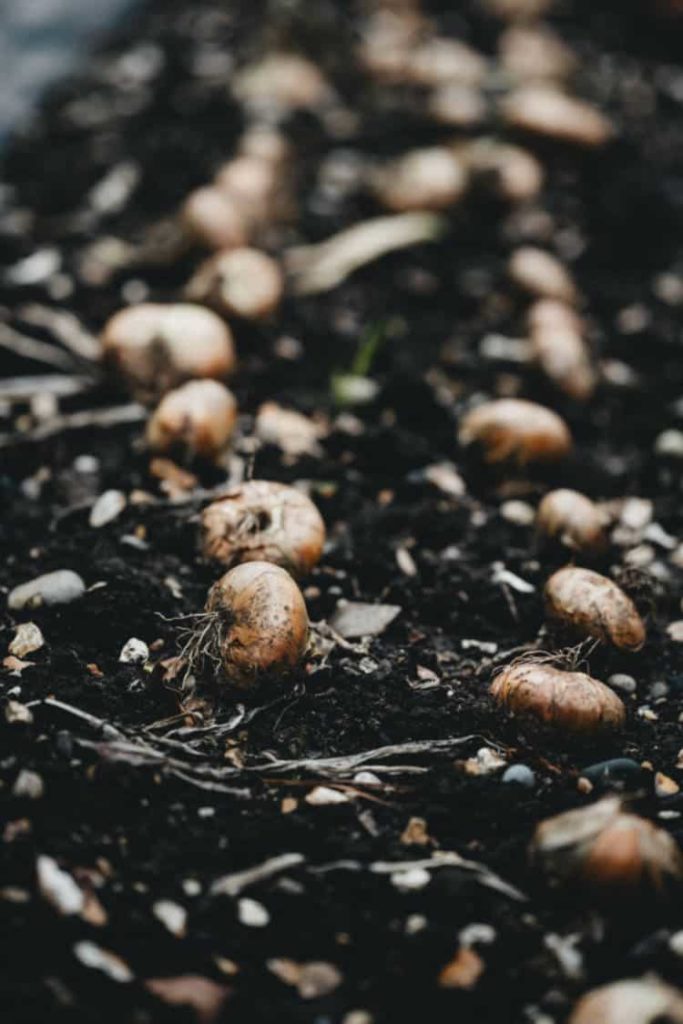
x=622 y=682
x=521 y=774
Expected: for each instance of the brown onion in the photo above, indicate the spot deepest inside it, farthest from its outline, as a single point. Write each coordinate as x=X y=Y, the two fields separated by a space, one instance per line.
x=604 y=848
x=260 y=623
x=573 y=519
x=198 y=418
x=425 y=179
x=214 y=219
x=530 y=52
x=245 y=283
x=593 y=605
x=282 y=81
x=155 y=347
x=632 y=1001
x=263 y=521
x=557 y=341
x=570 y=702
x=543 y=110
x=251 y=183
x=516 y=430
x=540 y=273
x=510 y=172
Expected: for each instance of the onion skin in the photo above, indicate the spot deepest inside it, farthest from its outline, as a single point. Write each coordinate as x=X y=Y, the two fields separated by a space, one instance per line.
x=593 y=605
x=261 y=623
x=632 y=1001
x=266 y=522
x=570 y=702
x=198 y=417
x=607 y=850
x=155 y=347
x=514 y=430
x=573 y=519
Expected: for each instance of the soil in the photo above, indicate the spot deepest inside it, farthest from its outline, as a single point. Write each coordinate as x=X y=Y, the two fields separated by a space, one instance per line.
x=141 y=833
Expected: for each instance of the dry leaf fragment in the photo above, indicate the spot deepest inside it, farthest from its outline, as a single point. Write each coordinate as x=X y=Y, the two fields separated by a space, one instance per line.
x=312 y=980
x=202 y=995
x=357 y=618
x=27 y=639
x=463 y=971
x=17 y=713
x=15 y=665
x=415 y=833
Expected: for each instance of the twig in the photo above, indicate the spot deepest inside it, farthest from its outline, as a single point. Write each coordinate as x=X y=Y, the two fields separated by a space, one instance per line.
x=37 y=351
x=446 y=859
x=20 y=389
x=330 y=766
x=234 y=884
x=66 y=328
x=106 y=728
x=320 y=267
x=117 y=415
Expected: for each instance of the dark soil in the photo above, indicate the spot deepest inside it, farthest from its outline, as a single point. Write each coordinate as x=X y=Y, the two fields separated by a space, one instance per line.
x=147 y=833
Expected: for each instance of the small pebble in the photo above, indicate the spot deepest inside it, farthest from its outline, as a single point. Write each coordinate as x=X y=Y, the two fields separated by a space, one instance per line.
x=665 y=786
x=134 y=652
x=415 y=923
x=518 y=512
x=410 y=880
x=520 y=774
x=252 y=914
x=622 y=771
x=28 y=785
x=17 y=713
x=622 y=682
x=60 y=587
x=108 y=507
x=670 y=444
x=172 y=916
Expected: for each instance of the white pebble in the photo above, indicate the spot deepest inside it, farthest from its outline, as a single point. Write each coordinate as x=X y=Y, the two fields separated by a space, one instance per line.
x=60 y=587
x=108 y=507
x=324 y=796
x=28 y=785
x=134 y=652
x=410 y=880
x=670 y=443
x=252 y=914
x=91 y=955
x=172 y=916
x=58 y=888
